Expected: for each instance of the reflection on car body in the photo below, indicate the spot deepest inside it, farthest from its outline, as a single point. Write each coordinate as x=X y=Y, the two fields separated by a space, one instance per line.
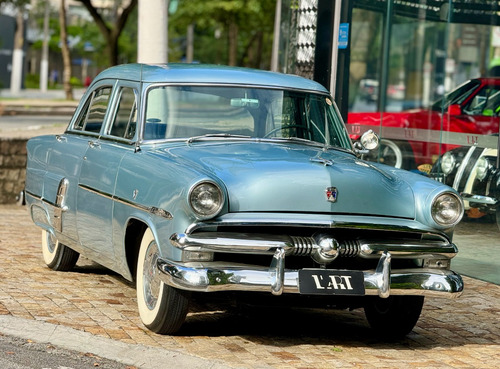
x=416 y=137
x=473 y=172
x=192 y=178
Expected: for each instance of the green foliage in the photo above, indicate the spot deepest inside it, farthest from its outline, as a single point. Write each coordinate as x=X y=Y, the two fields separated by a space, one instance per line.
x=255 y=21
x=32 y=81
x=127 y=43
x=75 y=82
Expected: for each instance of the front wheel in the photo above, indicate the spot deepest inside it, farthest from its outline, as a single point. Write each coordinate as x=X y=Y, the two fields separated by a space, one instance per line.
x=56 y=255
x=393 y=317
x=162 y=308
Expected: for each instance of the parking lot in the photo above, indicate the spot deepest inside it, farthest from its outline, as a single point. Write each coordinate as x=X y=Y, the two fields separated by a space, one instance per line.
x=461 y=333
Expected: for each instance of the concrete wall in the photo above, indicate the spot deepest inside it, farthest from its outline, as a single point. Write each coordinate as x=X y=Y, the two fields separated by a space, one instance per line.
x=12 y=168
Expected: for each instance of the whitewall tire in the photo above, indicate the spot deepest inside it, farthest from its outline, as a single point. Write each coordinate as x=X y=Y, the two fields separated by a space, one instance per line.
x=162 y=308
x=56 y=255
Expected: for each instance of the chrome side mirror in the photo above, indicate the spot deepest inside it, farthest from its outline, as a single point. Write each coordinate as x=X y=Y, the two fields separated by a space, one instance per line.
x=368 y=141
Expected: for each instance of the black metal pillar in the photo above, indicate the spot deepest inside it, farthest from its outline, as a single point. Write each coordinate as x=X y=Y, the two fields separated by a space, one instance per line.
x=343 y=62
x=324 y=39
x=386 y=45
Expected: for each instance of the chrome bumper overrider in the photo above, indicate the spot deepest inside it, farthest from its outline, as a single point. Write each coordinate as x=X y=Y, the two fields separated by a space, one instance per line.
x=484 y=200
x=213 y=276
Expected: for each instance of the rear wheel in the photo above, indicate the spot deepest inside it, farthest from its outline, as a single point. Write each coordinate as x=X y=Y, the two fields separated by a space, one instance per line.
x=56 y=255
x=162 y=308
x=395 y=316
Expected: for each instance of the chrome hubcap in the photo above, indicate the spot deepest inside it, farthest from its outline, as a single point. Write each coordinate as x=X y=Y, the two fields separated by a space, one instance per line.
x=151 y=280
x=51 y=242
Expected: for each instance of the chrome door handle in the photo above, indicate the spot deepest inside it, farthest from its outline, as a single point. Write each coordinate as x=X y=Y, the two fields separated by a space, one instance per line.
x=94 y=144
x=60 y=138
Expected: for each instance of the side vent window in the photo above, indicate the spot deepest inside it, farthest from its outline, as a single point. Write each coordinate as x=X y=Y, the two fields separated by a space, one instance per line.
x=92 y=116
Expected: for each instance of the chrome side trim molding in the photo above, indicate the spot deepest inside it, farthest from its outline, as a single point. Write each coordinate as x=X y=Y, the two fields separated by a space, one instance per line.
x=149 y=209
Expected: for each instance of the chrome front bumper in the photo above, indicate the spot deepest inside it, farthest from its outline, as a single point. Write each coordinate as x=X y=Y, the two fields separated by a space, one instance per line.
x=212 y=276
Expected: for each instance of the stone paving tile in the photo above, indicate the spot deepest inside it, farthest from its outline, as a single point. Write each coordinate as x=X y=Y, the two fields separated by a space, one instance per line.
x=462 y=333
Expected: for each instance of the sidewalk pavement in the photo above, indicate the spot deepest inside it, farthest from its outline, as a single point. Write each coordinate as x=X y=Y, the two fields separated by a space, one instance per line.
x=93 y=310
x=34 y=102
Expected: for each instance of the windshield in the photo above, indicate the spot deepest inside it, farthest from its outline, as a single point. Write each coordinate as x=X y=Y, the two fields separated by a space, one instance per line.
x=190 y=111
x=457 y=96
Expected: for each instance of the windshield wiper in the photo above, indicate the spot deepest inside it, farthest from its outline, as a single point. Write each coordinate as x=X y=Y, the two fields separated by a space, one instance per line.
x=215 y=135
x=312 y=143
x=301 y=140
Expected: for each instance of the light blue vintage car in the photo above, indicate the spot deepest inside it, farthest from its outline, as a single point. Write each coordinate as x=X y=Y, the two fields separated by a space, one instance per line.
x=192 y=178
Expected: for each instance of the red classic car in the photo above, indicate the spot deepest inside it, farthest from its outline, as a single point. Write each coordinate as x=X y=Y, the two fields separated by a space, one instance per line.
x=414 y=137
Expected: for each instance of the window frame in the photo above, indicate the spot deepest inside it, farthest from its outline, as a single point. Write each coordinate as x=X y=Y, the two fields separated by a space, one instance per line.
x=82 y=112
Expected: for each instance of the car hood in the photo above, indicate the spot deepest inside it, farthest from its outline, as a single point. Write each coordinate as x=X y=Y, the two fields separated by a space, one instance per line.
x=275 y=177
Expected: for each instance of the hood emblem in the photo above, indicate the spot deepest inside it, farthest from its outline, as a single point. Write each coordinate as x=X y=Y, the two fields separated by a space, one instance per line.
x=332 y=194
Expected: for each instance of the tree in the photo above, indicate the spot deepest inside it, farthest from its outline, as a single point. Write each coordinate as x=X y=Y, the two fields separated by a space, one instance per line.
x=18 y=53
x=111 y=33
x=65 y=52
x=245 y=28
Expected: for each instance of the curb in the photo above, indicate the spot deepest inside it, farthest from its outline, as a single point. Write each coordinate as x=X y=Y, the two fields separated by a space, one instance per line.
x=144 y=357
x=37 y=109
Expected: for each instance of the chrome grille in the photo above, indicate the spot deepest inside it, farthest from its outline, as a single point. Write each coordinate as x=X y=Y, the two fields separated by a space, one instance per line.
x=349 y=248
x=303 y=246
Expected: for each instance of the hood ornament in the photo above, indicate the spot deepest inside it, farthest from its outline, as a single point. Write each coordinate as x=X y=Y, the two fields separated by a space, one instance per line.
x=319 y=159
x=332 y=194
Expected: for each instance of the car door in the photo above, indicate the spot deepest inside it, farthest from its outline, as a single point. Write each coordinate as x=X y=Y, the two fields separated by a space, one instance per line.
x=64 y=155
x=112 y=115
x=96 y=178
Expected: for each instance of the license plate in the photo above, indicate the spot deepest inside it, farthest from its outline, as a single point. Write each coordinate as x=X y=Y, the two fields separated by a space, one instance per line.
x=331 y=282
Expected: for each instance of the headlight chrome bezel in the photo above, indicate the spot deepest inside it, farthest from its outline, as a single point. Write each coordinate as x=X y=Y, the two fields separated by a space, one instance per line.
x=448 y=162
x=206 y=199
x=444 y=202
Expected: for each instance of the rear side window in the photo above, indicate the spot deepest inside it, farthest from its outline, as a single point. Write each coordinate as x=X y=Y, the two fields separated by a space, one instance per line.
x=92 y=117
x=125 y=121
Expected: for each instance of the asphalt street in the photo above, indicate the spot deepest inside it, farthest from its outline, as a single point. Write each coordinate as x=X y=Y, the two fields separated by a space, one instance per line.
x=18 y=353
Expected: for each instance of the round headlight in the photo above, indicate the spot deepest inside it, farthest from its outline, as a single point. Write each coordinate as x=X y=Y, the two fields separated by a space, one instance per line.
x=482 y=168
x=447 y=209
x=447 y=162
x=206 y=199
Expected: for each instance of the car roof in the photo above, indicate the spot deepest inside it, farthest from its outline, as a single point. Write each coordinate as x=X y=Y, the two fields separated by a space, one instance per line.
x=205 y=73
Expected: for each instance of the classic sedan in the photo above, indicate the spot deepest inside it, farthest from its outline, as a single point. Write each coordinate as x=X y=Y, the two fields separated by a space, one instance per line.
x=191 y=179
x=473 y=172
x=485 y=194
x=414 y=137
x=469 y=170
